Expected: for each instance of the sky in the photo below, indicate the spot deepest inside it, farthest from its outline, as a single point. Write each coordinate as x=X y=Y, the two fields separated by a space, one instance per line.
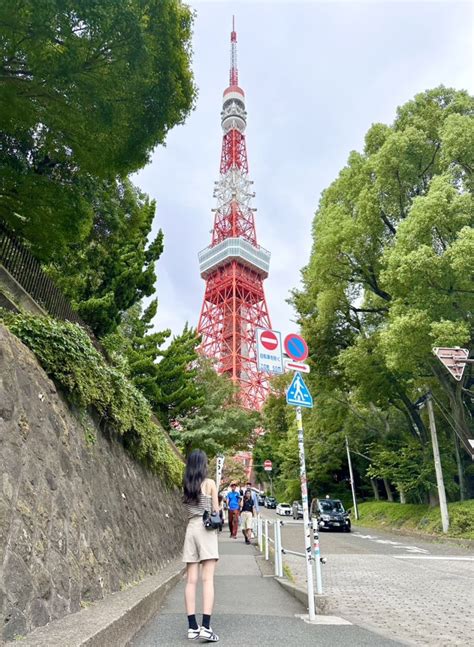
x=316 y=76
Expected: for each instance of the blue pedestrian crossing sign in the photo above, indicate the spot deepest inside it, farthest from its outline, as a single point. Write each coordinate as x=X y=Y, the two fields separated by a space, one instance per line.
x=298 y=394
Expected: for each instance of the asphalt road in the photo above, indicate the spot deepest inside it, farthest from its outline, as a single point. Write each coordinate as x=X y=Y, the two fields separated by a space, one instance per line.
x=410 y=589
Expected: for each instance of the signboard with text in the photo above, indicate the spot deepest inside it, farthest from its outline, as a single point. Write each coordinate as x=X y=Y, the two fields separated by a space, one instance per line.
x=269 y=351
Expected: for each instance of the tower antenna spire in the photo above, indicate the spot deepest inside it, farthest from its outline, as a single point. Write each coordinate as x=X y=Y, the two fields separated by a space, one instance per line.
x=234 y=74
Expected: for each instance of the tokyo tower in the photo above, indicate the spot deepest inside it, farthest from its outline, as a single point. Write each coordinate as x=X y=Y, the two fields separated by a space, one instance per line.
x=234 y=266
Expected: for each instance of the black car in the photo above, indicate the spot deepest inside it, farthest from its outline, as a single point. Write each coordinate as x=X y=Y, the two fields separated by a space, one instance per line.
x=297 y=509
x=261 y=499
x=270 y=502
x=331 y=515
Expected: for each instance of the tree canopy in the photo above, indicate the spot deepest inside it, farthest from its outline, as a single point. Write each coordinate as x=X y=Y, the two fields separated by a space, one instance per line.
x=390 y=277
x=87 y=90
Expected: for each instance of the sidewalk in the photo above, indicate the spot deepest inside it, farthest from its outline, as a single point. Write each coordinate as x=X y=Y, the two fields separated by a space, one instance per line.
x=251 y=610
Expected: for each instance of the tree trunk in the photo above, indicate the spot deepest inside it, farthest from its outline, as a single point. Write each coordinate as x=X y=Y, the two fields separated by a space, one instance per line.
x=462 y=487
x=434 y=498
x=375 y=488
x=401 y=492
x=388 y=490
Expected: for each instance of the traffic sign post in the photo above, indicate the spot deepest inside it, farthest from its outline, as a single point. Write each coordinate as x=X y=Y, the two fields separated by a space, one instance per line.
x=296 y=347
x=269 y=351
x=290 y=365
x=455 y=360
x=298 y=395
x=219 y=467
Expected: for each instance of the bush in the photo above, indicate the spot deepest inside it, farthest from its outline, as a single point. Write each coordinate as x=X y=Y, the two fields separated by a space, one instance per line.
x=421 y=518
x=69 y=358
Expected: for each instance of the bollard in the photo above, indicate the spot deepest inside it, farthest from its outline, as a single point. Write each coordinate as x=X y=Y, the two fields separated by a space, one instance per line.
x=266 y=540
x=275 y=547
x=280 y=552
x=259 y=532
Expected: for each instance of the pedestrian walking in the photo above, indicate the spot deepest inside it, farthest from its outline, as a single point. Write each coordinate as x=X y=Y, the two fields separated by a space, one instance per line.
x=247 y=513
x=254 y=496
x=233 y=509
x=200 y=544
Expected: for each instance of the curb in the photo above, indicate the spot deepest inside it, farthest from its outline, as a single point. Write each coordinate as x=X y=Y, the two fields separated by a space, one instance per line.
x=321 y=602
x=113 y=621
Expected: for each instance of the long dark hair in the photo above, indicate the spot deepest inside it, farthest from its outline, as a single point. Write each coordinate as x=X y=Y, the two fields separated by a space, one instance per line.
x=194 y=475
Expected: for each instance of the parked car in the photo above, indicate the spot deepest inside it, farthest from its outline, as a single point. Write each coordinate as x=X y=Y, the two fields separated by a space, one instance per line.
x=283 y=509
x=297 y=509
x=270 y=502
x=261 y=499
x=331 y=515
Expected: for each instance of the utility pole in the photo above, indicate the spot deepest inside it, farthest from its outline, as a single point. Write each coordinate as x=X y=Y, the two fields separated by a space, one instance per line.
x=356 y=511
x=438 y=468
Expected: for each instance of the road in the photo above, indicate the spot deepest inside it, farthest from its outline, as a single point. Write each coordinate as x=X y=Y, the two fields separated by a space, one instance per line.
x=417 y=591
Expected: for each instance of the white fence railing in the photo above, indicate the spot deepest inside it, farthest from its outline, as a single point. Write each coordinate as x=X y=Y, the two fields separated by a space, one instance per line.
x=264 y=541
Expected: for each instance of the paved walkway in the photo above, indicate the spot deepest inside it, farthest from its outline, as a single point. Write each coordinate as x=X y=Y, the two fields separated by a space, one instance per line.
x=423 y=596
x=251 y=610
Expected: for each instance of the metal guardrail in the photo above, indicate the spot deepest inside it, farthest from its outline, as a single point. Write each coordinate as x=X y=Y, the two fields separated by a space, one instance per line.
x=27 y=271
x=264 y=541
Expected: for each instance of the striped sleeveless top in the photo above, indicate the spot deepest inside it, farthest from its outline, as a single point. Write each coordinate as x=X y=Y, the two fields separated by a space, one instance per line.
x=197 y=510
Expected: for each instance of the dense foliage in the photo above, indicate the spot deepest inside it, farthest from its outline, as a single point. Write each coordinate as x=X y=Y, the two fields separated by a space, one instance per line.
x=418 y=518
x=390 y=277
x=218 y=423
x=87 y=90
x=113 y=267
x=68 y=357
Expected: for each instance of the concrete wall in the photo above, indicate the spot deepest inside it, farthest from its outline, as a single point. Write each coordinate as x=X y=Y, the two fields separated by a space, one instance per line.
x=78 y=519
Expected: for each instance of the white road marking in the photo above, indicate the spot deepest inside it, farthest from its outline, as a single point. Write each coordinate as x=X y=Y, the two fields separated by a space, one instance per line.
x=448 y=557
x=323 y=620
x=388 y=542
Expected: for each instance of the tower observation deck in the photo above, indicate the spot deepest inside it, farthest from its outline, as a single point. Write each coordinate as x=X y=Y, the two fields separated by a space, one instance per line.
x=234 y=266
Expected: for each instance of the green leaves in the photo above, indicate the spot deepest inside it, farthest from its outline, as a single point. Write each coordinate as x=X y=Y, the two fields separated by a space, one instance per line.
x=87 y=90
x=390 y=274
x=67 y=355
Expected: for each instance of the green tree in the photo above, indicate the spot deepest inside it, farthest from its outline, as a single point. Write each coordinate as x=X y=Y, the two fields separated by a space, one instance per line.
x=177 y=377
x=113 y=268
x=87 y=90
x=135 y=349
x=389 y=277
x=218 y=423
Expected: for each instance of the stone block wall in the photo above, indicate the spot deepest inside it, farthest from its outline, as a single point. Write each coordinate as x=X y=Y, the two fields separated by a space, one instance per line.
x=79 y=518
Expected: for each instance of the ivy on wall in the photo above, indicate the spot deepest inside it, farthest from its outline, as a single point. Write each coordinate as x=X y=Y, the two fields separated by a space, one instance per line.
x=69 y=358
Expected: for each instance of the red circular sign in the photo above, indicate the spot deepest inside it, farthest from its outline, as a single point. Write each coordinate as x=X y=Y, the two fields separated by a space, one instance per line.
x=296 y=347
x=267 y=463
x=268 y=339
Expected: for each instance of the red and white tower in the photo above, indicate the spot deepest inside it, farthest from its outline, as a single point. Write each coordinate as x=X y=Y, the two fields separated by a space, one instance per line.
x=234 y=266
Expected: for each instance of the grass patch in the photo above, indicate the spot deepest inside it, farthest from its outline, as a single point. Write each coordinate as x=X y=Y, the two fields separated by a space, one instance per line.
x=419 y=518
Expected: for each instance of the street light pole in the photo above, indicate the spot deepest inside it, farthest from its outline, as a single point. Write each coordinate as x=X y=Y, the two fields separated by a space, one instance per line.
x=351 y=475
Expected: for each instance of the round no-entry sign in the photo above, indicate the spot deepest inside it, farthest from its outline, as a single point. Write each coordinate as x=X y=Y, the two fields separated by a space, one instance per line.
x=267 y=466
x=296 y=347
x=268 y=339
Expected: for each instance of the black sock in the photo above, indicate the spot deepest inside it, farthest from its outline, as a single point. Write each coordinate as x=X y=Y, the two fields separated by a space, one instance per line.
x=206 y=621
x=192 y=622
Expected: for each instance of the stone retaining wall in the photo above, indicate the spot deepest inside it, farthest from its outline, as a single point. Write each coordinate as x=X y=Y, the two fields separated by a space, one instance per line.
x=79 y=518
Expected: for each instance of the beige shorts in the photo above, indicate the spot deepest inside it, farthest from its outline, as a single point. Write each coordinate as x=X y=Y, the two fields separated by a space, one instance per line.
x=199 y=544
x=247 y=519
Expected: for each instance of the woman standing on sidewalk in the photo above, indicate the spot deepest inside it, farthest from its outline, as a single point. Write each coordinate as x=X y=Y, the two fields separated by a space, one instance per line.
x=200 y=544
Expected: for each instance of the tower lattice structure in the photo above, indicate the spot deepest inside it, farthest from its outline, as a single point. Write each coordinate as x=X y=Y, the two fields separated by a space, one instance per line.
x=234 y=266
